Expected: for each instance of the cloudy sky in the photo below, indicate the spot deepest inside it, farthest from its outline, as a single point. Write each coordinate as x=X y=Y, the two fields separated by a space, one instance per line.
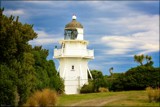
x=116 y=30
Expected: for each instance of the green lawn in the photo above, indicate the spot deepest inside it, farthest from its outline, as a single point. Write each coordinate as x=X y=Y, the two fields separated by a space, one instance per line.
x=125 y=98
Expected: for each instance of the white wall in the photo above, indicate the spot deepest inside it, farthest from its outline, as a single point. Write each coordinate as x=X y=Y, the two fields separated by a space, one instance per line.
x=75 y=45
x=74 y=53
x=80 y=34
x=74 y=79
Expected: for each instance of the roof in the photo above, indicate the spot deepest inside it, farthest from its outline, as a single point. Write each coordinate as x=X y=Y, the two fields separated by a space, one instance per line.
x=73 y=24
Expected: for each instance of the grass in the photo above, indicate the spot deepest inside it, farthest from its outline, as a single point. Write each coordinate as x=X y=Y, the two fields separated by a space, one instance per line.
x=125 y=98
x=46 y=97
x=133 y=98
x=70 y=99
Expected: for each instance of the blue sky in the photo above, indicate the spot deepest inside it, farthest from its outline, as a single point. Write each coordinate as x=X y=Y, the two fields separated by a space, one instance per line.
x=116 y=30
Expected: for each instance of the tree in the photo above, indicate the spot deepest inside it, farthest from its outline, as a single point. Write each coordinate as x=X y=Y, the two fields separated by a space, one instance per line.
x=14 y=38
x=98 y=79
x=148 y=60
x=139 y=59
x=111 y=71
x=16 y=57
x=138 y=78
x=23 y=69
x=45 y=71
x=26 y=77
x=7 y=86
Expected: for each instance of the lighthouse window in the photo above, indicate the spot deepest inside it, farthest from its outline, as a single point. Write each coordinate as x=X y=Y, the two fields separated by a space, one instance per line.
x=70 y=34
x=72 y=67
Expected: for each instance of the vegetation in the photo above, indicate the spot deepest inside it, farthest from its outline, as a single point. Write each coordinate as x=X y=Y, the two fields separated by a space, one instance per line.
x=94 y=85
x=153 y=94
x=124 y=98
x=24 y=69
x=140 y=59
x=46 y=97
x=102 y=89
x=87 y=88
x=46 y=74
x=137 y=78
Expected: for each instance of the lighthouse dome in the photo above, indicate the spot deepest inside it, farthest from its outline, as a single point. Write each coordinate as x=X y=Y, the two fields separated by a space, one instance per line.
x=73 y=24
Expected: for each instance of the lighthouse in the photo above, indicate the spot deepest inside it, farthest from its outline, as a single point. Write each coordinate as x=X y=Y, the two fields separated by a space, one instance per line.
x=73 y=57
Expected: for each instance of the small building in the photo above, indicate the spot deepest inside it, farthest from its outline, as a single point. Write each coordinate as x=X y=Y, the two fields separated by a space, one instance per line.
x=73 y=57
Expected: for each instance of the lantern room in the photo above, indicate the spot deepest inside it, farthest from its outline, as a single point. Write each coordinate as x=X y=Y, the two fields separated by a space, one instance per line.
x=73 y=30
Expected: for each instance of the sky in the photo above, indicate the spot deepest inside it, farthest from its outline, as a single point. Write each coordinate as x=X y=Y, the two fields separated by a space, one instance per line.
x=116 y=30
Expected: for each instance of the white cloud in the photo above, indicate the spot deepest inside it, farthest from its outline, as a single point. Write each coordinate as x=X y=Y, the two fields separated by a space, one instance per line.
x=45 y=38
x=116 y=63
x=48 y=3
x=145 y=36
x=93 y=66
x=139 y=22
x=14 y=12
x=142 y=42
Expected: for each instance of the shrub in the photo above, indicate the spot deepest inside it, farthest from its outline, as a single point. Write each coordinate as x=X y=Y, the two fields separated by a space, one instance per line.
x=87 y=88
x=46 y=97
x=153 y=94
x=102 y=89
x=137 y=78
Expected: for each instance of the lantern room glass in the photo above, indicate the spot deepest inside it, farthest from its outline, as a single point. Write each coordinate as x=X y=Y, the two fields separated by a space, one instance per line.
x=70 y=34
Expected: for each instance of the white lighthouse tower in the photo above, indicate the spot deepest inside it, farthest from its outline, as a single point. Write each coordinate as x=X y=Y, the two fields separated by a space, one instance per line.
x=73 y=57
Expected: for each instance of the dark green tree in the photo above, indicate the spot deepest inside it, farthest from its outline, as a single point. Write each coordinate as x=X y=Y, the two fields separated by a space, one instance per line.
x=138 y=78
x=98 y=80
x=15 y=55
x=23 y=69
x=7 y=86
x=45 y=71
x=139 y=59
x=148 y=60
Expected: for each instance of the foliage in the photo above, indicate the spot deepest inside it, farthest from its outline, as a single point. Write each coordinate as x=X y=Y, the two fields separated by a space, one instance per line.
x=25 y=77
x=23 y=69
x=46 y=97
x=141 y=58
x=14 y=38
x=110 y=79
x=102 y=89
x=45 y=71
x=98 y=80
x=153 y=94
x=111 y=70
x=87 y=88
x=15 y=56
x=7 y=86
x=137 y=79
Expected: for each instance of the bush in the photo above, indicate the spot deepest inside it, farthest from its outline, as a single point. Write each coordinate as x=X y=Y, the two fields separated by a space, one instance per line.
x=46 y=97
x=87 y=88
x=8 y=93
x=137 y=78
x=102 y=89
x=153 y=94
